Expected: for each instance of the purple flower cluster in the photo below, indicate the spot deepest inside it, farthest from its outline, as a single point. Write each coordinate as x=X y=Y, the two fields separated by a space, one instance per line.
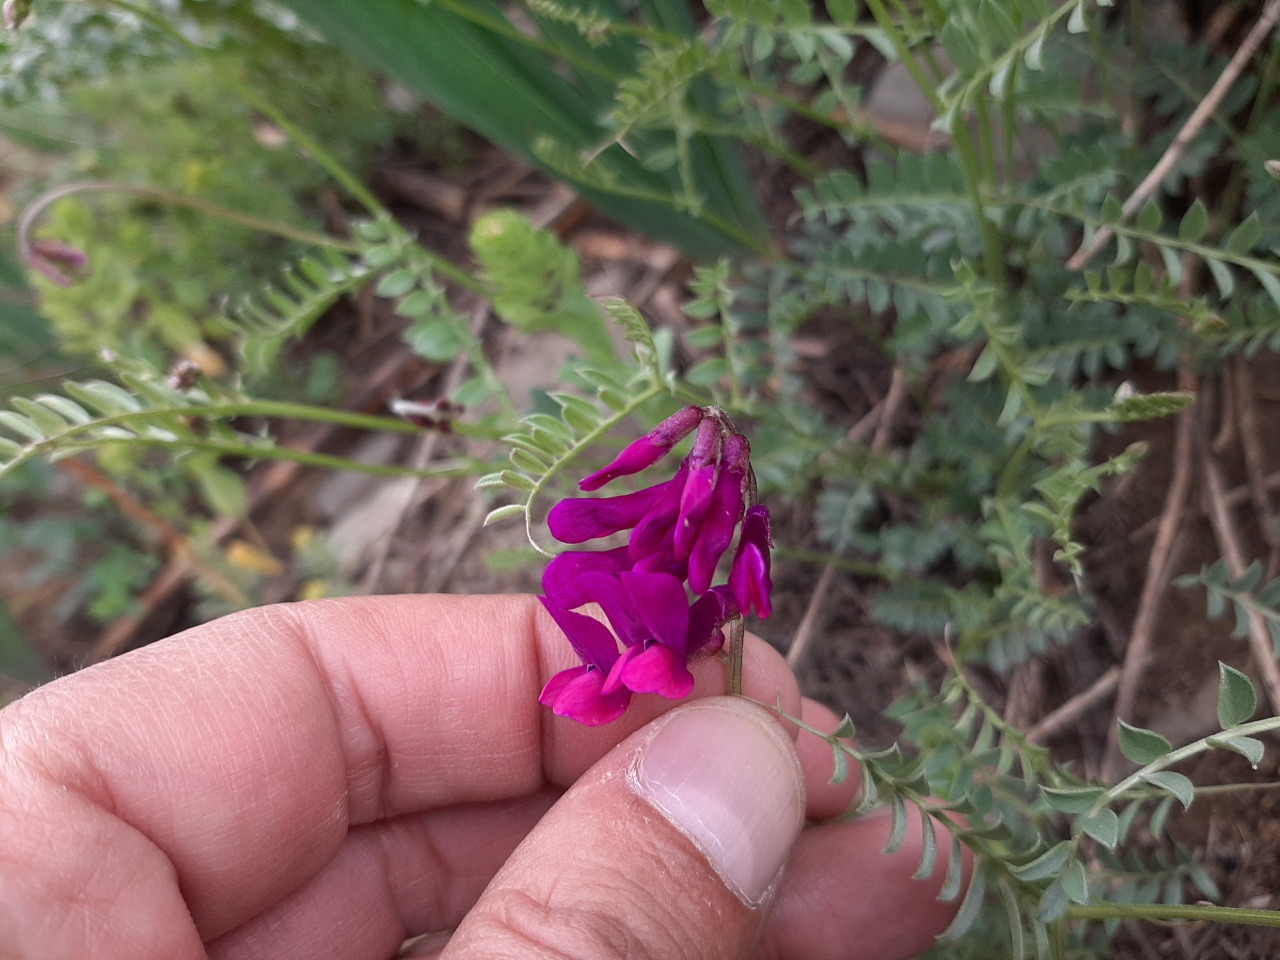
x=656 y=591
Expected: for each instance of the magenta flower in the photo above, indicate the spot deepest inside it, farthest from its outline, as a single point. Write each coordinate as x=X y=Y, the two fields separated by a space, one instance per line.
x=579 y=691
x=579 y=519
x=648 y=450
x=749 y=579
x=699 y=488
x=656 y=591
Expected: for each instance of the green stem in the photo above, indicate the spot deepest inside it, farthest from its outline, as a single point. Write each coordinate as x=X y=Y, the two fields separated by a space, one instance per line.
x=283 y=410
x=253 y=408
x=504 y=28
x=1182 y=753
x=861 y=568
x=737 y=634
x=306 y=457
x=1191 y=912
x=34 y=211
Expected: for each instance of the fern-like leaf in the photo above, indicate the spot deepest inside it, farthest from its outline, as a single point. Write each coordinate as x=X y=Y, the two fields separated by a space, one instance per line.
x=288 y=309
x=96 y=413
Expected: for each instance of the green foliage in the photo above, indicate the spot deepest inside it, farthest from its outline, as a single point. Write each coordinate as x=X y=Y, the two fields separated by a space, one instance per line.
x=1042 y=839
x=473 y=63
x=544 y=444
x=535 y=282
x=159 y=276
x=1246 y=596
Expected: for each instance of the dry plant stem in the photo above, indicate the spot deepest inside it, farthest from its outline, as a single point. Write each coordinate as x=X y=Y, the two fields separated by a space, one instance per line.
x=1203 y=111
x=892 y=403
x=1224 y=531
x=1254 y=456
x=1159 y=569
x=1068 y=713
x=812 y=615
x=177 y=544
x=426 y=450
x=121 y=632
x=882 y=415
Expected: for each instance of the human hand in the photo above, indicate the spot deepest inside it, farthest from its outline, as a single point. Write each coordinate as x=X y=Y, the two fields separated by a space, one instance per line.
x=328 y=779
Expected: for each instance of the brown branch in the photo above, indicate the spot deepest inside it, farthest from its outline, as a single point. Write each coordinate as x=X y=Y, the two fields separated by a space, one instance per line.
x=1190 y=130
x=1071 y=711
x=882 y=415
x=275 y=479
x=1159 y=570
x=1224 y=530
x=175 y=542
x=1254 y=457
x=812 y=614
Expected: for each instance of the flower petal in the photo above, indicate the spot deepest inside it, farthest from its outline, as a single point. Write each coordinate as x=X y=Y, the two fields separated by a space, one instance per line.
x=749 y=579
x=660 y=602
x=590 y=639
x=578 y=519
x=717 y=530
x=658 y=670
x=561 y=580
x=648 y=450
x=695 y=501
x=578 y=693
x=653 y=534
x=614 y=680
x=608 y=591
x=709 y=613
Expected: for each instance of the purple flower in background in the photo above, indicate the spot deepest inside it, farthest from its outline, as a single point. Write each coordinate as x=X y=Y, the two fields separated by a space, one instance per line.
x=44 y=256
x=656 y=591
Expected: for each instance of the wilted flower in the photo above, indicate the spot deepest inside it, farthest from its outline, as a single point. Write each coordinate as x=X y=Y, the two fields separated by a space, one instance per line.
x=656 y=591
x=45 y=255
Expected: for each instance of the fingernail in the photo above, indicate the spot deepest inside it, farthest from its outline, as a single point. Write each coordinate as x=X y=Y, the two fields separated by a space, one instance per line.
x=727 y=777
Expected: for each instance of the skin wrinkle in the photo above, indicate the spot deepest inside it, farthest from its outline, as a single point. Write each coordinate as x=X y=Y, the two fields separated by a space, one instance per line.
x=366 y=768
x=432 y=861
x=262 y=704
x=116 y=844
x=522 y=926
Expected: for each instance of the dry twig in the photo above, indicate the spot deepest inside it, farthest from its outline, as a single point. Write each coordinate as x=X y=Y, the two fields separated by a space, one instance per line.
x=1159 y=569
x=276 y=479
x=882 y=416
x=812 y=614
x=1071 y=711
x=1224 y=530
x=178 y=545
x=1254 y=456
x=1226 y=80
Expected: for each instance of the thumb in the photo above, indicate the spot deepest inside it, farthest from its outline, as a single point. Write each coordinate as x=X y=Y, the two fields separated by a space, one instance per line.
x=671 y=846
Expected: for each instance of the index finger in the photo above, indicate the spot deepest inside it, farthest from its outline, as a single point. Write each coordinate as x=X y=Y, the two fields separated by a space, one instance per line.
x=245 y=748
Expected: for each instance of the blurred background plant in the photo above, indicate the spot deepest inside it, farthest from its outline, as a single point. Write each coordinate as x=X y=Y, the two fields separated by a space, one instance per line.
x=1003 y=357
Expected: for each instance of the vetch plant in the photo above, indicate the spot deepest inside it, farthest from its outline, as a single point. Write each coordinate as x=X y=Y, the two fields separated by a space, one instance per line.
x=995 y=362
x=680 y=530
